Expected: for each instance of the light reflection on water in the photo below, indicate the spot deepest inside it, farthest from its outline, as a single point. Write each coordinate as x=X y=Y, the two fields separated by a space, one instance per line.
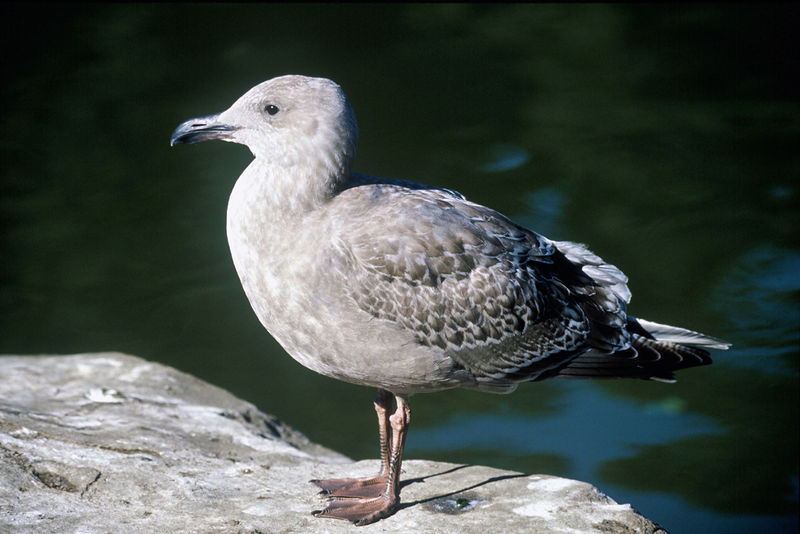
x=589 y=427
x=505 y=158
x=760 y=296
x=678 y=515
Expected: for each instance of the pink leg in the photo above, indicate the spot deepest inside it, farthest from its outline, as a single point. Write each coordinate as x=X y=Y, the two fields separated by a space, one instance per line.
x=366 y=487
x=366 y=500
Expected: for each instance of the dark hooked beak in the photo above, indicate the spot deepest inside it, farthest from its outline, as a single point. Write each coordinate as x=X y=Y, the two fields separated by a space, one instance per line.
x=201 y=129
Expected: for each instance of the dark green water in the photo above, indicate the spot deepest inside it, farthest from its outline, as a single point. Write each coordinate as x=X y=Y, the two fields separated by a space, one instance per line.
x=665 y=137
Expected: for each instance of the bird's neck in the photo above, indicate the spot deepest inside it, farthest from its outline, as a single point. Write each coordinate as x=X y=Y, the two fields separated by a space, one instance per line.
x=267 y=209
x=268 y=193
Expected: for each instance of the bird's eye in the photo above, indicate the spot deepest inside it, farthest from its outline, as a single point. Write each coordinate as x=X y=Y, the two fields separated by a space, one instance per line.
x=271 y=109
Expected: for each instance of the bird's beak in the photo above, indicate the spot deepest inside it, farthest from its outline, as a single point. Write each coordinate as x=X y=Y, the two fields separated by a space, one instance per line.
x=201 y=129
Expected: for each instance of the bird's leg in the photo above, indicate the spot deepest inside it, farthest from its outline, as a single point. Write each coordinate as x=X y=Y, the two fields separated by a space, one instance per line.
x=400 y=421
x=363 y=510
x=367 y=486
x=382 y=404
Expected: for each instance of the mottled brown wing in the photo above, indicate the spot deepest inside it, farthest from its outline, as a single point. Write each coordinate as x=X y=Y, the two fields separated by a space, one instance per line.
x=502 y=301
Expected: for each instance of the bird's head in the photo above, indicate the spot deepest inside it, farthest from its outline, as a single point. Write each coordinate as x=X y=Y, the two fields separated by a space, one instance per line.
x=284 y=120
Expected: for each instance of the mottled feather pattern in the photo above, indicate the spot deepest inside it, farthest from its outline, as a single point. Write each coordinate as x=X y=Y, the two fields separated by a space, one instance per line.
x=457 y=278
x=502 y=301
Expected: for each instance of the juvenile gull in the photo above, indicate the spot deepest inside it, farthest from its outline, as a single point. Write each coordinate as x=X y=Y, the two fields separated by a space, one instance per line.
x=410 y=288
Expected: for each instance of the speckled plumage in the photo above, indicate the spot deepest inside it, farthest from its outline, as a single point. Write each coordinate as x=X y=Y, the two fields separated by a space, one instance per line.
x=504 y=303
x=410 y=288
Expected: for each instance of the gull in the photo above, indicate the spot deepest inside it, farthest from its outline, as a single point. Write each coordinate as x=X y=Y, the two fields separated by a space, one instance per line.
x=410 y=288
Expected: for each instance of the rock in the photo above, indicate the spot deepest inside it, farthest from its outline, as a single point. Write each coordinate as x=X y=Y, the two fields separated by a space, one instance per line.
x=96 y=443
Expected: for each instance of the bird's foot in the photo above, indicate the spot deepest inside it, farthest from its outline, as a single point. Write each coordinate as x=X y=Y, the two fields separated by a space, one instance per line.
x=359 y=488
x=360 y=511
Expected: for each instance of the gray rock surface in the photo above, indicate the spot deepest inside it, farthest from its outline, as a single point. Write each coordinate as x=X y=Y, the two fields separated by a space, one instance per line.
x=96 y=443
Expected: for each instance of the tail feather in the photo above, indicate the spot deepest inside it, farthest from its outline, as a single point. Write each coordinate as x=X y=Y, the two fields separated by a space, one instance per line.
x=677 y=335
x=656 y=351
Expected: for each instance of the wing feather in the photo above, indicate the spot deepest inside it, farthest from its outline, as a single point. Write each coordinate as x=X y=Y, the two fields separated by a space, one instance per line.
x=506 y=304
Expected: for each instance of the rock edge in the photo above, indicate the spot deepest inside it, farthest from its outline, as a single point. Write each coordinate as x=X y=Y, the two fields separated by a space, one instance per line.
x=108 y=442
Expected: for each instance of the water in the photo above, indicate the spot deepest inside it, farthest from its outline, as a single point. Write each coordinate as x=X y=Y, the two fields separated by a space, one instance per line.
x=663 y=136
